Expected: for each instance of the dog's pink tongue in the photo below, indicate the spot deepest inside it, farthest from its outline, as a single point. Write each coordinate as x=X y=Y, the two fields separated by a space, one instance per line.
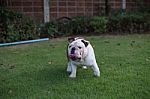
x=71 y=55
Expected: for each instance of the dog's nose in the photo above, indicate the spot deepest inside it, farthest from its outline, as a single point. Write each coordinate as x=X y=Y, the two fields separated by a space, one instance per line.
x=73 y=50
x=79 y=58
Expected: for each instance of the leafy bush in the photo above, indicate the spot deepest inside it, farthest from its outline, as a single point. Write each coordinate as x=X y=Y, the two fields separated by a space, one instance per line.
x=49 y=29
x=15 y=27
x=63 y=26
x=120 y=23
x=80 y=25
x=99 y=24
x=59 y=27
x=129 y=23
x=55 y=28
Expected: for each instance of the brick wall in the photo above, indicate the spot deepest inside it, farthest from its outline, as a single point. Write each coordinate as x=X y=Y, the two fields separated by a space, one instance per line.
x=69 y=8
x=32 y=8
x=130 y=4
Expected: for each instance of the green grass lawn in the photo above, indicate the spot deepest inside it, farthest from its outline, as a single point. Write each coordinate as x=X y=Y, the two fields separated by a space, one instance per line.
x=38 y=70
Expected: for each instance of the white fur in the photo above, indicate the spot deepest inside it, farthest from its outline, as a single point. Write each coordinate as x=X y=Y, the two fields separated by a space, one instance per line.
x=87 y=59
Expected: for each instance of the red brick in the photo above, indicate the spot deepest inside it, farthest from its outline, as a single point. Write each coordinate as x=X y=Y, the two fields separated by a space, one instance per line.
x=81 y=4
x=88 y=9
x=62 y=3
x=53 y=4
x=96 y=13
x=26 y=0
x=53 y=0
x=14 y=0
x=88 y=4
x=80 y=14
x=38 y=3
x=71 y=14
x=27 y=4
x=62 y=14
x=27 y=9
x=17 y=8
x=71 y=3
x=88 y=1
x=53 y=14
x=79 y=9
x=32 y=0
x=38 y=15
x=95 y=8
x=29 y=14
x=62 y=9
x=37 y=9
x=53 y=9
x=71 y=9
x=16 y=3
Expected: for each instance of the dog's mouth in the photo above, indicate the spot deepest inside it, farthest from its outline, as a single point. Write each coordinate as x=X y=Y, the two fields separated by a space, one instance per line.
x=74 y=58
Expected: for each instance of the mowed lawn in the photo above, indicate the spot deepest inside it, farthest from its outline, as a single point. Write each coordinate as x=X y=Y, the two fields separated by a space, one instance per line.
x=38 y=70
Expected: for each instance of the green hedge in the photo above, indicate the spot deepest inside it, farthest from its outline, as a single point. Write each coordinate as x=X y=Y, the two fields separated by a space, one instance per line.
x=15 y=26
x=129 y=23
x=99 y=24
x=74 y=26
x=121 y=23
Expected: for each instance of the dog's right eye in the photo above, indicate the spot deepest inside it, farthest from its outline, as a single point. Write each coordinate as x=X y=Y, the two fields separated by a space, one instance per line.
x=79 y=47
x=69 y=46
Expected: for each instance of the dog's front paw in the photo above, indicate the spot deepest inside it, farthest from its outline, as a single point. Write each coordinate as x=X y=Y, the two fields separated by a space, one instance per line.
x=97 y=74
x=68 y=73
x=84 y=67
x=72 y=76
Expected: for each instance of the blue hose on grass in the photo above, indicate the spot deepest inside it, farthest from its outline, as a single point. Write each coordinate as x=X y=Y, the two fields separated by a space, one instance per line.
x=23 y=42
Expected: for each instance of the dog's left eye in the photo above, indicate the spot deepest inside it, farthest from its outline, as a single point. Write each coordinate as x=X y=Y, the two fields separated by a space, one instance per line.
x=79 y=47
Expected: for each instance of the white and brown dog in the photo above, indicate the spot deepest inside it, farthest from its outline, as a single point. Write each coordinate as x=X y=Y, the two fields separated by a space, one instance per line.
x=80 y=52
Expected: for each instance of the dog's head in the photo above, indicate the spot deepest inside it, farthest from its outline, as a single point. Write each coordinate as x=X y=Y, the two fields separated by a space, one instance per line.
x=77 y=48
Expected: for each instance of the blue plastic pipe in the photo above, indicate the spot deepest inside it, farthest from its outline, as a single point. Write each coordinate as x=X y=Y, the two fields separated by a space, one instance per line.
x=23 y=42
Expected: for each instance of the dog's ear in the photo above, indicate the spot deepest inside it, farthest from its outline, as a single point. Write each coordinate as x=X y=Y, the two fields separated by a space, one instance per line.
x=86 y=43
x=71 y=39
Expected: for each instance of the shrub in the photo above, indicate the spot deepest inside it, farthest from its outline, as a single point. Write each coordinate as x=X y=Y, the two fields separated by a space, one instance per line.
x=54 y=29
x=128 y=23
x=61 y=27
x=120 y=23
x=49 y=29
x=80 y=25
x=15 y=27
x=99 y=24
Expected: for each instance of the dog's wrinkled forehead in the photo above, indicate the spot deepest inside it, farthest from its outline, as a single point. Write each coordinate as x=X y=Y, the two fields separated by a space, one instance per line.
x=78 y=41
x=71 y=39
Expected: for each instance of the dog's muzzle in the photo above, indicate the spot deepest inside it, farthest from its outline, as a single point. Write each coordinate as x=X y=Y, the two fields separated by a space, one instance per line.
x=74 y=57
x=74 y=54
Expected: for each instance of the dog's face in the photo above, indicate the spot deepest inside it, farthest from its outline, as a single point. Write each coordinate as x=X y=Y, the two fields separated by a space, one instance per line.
x=77 y=48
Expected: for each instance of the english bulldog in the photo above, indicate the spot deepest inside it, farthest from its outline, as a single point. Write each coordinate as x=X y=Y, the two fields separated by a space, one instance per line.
x=80 y=52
